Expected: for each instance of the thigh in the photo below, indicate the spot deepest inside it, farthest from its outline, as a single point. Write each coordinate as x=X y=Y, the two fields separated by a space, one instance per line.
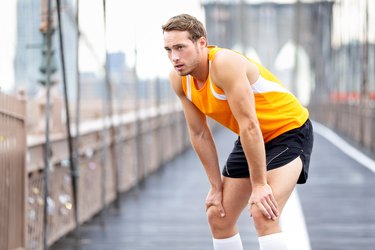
x=296 y=143
x=283 y=181
x=236 y=193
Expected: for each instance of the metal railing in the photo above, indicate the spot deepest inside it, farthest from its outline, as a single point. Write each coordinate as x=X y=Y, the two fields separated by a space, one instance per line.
x=137 y=138
x=139 y=154
x=12 y=173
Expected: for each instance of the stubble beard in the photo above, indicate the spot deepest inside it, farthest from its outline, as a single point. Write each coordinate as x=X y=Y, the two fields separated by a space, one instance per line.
x=192 y=65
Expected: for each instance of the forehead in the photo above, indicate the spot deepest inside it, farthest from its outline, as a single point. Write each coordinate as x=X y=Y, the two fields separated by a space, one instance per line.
x=175 y=37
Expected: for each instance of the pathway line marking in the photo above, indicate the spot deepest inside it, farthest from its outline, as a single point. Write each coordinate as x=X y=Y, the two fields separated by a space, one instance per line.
x=344 y=146
x=292 y=222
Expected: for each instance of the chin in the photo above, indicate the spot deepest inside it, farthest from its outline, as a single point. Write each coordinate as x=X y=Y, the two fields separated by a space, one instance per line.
x=182 y=73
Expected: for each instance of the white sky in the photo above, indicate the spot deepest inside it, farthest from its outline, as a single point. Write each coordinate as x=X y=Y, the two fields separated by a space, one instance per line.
x=138 y=22
x=130 y=23
x=352 y=16
x=7 y=41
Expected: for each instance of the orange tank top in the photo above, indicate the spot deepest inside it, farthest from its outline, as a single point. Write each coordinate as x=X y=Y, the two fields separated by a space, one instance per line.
x=277 y=109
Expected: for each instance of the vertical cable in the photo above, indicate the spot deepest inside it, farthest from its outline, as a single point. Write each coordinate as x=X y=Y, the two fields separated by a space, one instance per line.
x=364 y=89
x=73 y=169
x=138 y=122
x=104 y=155
x=112 y=130
x=47 y=111
x=78 y=95
x=297 y=17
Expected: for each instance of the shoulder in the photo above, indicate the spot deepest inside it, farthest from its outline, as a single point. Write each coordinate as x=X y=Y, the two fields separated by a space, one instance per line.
x=229 y=59
x=227 y=56
x=228 y=64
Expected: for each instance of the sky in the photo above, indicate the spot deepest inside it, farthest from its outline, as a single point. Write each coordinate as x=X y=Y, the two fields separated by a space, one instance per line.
x=128 y=23
x=134 y=26
x=7 y=41
x=137 y=22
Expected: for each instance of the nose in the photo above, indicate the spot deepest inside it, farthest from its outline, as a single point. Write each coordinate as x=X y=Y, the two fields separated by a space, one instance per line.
x=175 y=57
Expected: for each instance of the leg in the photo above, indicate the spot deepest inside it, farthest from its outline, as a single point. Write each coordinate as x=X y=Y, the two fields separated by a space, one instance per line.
x=236 y=193
x=282 y=181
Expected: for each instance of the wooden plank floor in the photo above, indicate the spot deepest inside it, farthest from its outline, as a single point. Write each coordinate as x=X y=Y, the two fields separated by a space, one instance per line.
x=167 y=211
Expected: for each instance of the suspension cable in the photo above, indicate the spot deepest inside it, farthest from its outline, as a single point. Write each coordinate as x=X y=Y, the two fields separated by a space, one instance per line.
x=103 y=158
x=78 y=94
x=73 y=169
x=110 y=111
x=47 y=111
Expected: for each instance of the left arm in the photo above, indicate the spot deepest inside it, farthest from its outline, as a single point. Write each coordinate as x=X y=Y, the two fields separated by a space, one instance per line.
x=230 y=72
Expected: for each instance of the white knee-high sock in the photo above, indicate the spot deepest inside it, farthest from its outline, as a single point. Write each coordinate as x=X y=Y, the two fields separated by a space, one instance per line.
x=232 y=243
x=275 y=241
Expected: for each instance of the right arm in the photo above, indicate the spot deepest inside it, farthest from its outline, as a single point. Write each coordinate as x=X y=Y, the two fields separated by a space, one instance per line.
x=203 y=143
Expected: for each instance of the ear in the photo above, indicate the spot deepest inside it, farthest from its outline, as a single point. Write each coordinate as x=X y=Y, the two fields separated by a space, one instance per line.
x=202 y=42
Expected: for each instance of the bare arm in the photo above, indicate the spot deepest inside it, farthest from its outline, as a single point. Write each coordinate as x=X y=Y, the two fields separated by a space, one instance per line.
x=203 y=144
x=233 y=79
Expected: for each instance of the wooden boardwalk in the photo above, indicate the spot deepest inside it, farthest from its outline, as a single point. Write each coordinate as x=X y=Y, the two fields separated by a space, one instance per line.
x=167 y=211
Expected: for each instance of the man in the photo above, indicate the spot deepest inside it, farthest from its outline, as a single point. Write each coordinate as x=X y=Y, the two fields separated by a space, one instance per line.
x=275 y=140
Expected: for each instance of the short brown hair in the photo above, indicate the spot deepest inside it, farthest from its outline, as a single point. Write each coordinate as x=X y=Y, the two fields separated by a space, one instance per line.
x=186 y=22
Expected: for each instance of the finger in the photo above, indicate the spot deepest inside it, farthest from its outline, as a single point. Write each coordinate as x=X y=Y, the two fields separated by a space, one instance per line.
x=264 y=209
x=249 y=206
x=268 y=208
x=274 y=205
x=250 y=213
x=221 y=209
x=208 y=205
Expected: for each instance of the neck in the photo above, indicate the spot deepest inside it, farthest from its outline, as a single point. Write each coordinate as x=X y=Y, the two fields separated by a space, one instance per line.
x=202 y=71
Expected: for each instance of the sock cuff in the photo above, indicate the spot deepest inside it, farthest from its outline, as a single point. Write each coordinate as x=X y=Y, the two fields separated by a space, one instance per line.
x=230 y=239
x=271 y=237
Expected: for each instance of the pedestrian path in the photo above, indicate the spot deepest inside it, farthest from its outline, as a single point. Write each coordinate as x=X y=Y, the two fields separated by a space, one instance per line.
x=339 y=199
x=167 y=211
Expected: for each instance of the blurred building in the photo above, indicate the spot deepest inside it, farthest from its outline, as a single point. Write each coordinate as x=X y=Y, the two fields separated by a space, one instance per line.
x=29 y=44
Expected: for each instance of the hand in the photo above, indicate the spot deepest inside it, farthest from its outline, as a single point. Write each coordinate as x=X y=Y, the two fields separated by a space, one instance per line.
x=215 y=198
x=262 y=197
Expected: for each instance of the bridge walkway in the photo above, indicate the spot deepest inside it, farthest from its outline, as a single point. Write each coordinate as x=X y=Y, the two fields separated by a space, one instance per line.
x=166 y=212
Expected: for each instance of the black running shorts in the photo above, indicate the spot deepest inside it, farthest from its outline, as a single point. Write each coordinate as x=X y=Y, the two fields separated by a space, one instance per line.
x=279 y=152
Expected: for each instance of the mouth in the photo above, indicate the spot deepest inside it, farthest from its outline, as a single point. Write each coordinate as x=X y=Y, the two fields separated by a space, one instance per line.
x=179 y=67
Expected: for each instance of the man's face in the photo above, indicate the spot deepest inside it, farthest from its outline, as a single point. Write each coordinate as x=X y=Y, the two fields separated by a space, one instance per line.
x=182 y=52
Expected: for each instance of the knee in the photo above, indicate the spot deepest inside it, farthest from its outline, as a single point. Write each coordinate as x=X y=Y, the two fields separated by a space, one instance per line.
x=263 y=225
x=220 y=226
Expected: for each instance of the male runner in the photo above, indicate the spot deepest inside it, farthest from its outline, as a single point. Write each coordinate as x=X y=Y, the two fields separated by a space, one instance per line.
x=275 y=140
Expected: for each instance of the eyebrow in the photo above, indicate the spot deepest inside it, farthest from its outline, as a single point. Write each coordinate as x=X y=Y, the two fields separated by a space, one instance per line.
x=175 y=46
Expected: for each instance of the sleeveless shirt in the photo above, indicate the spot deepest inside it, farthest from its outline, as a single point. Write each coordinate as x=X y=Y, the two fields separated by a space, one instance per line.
x=277 y=109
